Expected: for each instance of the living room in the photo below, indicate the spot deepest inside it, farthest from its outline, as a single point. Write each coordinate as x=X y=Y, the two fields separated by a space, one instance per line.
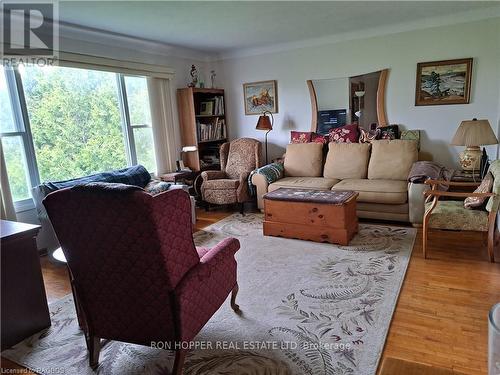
x=315 y=185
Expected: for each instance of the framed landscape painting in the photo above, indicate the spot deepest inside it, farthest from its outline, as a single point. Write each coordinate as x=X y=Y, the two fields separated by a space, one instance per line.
x=443 y=82
x=259 y=97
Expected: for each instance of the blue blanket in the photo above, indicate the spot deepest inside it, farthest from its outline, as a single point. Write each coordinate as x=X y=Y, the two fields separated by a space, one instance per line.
x=136 y=176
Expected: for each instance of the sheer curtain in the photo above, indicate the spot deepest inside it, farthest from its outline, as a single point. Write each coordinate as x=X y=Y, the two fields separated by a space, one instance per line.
x=165 y=133
x=7 y=211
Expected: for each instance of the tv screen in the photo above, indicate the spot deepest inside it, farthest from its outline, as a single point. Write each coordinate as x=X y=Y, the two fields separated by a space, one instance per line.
x=330 y=119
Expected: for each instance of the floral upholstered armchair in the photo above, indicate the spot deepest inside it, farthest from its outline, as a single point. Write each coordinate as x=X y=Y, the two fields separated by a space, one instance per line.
x=452 y=215
x=229 y=185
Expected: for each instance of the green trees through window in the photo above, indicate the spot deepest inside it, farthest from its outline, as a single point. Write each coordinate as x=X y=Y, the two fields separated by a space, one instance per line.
x=75 y=121
x=78 y=125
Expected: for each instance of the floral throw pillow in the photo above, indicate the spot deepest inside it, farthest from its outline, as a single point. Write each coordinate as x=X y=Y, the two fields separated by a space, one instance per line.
x=300 y=137
x=389 y=132
x=345 y=134
x=319 y=138
x=485 y=187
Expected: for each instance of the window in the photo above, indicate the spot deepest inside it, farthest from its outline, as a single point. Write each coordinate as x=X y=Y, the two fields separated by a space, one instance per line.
x=59 y=123
x=138 y=120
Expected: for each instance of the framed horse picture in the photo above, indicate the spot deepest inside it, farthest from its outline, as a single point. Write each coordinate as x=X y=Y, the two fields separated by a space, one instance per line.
x=259 y=97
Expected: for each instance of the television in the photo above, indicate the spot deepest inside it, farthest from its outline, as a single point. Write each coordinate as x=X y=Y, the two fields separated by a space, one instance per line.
x=330 y=119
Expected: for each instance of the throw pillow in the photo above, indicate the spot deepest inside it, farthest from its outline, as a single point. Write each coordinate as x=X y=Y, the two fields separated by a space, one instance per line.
x=485 y=187
x=345 y=134
x=319 y=138
x=389 y=132
x=367 y=136
x=300 y=137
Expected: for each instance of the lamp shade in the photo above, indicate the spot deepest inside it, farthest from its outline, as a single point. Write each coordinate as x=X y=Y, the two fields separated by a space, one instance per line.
x=264 y=123
x=474 y=133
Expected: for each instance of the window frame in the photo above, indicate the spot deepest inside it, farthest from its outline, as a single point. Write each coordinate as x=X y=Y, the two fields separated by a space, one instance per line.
x=22 y=127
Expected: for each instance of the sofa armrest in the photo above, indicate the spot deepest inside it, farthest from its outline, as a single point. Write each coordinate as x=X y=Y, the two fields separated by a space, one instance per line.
x=416 y=202
x=262 y=177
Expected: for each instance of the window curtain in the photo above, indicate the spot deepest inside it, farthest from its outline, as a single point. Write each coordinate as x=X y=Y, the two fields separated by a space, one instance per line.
x=165 y=134
x=7 y=211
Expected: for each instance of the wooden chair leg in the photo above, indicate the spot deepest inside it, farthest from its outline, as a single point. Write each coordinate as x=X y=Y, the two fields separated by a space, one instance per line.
x=94 y=347
x=242 y=208
x=234 y=293
x=424 y=240
x=180 y=356
x=491 y=235
x=425 y=226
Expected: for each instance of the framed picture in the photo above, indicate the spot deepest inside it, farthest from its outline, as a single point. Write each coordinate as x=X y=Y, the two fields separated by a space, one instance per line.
x=443 y=82
x=207 y=108
x=259 y=97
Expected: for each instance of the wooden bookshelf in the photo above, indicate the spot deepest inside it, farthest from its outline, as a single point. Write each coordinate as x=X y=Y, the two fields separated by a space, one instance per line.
x=207 y=131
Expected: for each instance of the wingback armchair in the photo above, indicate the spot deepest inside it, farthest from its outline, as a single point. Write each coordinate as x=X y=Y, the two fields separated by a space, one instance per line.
x=136 y=274
x=229 y=185
x=452 y=215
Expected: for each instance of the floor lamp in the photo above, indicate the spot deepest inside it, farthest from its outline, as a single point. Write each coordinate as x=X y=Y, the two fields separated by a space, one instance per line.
x=265 y=124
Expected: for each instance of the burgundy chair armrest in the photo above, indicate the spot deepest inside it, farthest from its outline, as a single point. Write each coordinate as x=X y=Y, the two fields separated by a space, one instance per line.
x=226 y=248
x=212 y=175
x=205 y=287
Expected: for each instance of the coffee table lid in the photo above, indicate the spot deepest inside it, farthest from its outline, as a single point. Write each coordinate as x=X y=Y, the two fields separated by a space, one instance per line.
x=335 y=197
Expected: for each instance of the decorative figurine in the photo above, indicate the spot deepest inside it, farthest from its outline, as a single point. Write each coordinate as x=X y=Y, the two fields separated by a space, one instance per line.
x=194 y=76
x=212 y=79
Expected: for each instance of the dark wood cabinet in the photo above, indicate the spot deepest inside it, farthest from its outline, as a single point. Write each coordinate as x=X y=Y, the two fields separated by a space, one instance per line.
x=24 y=309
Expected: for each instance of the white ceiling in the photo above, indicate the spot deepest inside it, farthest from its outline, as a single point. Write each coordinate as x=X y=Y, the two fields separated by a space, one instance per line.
x=221 y=27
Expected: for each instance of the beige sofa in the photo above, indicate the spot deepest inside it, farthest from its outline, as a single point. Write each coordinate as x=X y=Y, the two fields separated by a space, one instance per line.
x=377 y=171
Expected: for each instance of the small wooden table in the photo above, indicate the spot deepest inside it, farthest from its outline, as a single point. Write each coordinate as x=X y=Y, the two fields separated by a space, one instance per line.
x=315 y=215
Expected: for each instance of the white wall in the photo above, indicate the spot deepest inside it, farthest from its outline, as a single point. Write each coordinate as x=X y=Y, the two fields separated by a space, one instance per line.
x=400 y=53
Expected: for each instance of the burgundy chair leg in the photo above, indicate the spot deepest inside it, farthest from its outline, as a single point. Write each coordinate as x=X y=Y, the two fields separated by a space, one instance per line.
x=234 y=293
x=94 y=347
x=180 y=356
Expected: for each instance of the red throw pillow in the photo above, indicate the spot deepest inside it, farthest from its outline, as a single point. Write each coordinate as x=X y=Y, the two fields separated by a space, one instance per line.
x=319 y=138
x=300 y=137
x=345 y=134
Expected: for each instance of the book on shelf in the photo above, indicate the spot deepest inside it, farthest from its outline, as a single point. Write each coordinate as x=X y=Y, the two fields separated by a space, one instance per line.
x=211 y=131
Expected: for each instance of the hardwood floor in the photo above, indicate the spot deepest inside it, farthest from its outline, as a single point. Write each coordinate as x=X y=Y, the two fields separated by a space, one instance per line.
x=440 y=323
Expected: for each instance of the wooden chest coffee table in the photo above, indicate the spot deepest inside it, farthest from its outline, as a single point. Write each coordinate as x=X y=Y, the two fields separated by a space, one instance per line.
x=315 y=215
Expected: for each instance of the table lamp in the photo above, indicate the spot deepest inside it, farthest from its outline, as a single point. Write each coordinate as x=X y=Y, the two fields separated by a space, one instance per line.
x=472 y=134
x=265 y=124
x=180 y=162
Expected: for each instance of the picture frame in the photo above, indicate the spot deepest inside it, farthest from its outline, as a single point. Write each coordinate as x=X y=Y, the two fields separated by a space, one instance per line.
x=443 y=82
x=207 y=108
x=260 y=96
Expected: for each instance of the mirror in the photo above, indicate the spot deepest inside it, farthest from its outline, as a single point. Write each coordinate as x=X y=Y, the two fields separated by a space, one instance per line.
x=339 y=101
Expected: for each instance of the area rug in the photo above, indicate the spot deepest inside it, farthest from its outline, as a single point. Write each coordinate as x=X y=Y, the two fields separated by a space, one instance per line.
x=307 y=308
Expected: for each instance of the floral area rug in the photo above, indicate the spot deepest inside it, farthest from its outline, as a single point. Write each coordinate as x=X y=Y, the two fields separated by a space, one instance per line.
x=307 y=308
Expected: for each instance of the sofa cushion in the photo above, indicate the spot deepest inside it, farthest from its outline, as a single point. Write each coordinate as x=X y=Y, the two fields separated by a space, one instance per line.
x=304 y=160
x=347 y=160
x=316 y=183
x=392 y=159
x=376 y=191
x=221 y=184
x=453 y=216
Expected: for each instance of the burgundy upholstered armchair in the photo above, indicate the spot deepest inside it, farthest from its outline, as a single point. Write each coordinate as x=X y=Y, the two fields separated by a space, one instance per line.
x=136 y=274
x=229 y=185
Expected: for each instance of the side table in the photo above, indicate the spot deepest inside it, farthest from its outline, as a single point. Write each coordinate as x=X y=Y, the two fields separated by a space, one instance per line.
x=24 y=306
